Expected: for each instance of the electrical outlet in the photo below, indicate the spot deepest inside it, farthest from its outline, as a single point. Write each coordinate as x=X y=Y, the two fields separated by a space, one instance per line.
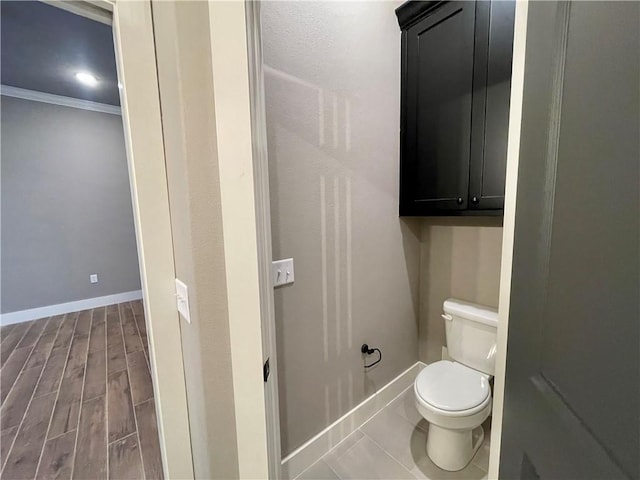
x=93 y=278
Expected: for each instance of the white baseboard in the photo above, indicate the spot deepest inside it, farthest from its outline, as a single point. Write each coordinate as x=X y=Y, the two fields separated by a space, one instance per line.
x=313 y=450
x=61 y=308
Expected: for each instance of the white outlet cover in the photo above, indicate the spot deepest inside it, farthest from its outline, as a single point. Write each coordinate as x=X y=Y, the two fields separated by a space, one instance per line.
x=93 y=278
x=182 y=300
x=282 y=272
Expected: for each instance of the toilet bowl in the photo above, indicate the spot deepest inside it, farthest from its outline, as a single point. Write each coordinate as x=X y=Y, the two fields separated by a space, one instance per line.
x=455 y=400
x=455 y=396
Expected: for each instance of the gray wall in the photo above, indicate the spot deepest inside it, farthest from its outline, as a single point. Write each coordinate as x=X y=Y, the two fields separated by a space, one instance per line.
x=460 y=258
x=66 y=206
x=332 y=79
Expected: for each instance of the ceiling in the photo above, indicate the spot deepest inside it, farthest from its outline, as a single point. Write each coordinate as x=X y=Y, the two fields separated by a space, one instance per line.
x=43 y=47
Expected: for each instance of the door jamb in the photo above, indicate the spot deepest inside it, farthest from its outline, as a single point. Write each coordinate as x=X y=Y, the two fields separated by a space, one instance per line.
x=263 y=227
x=511 y=186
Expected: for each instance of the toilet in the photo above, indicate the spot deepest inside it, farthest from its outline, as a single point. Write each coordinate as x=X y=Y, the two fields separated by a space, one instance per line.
x=455 y=396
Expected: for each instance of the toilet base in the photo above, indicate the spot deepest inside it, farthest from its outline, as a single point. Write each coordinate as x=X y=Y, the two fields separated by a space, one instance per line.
x=452 y=450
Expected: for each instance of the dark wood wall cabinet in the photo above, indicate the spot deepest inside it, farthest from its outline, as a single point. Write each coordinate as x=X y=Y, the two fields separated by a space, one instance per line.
x=456 y=84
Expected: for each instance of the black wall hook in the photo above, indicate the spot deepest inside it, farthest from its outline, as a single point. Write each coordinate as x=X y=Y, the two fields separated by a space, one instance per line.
x=369 y=351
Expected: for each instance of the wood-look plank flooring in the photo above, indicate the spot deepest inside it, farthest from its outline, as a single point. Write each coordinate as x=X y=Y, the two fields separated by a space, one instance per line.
x=76 y=397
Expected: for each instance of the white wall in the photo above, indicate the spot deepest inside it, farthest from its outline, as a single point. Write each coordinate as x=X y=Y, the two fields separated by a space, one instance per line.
x=184 y=65
x=204 y=93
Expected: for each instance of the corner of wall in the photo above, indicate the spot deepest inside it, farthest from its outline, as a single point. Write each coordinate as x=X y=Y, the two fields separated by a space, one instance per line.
x=184 y=59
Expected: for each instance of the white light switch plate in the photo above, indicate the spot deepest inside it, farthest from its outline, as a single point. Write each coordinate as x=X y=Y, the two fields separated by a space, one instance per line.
x=282 y=272
x=182 y=300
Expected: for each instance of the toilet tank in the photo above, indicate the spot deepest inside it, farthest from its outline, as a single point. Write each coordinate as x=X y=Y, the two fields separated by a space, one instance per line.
x=471 y=334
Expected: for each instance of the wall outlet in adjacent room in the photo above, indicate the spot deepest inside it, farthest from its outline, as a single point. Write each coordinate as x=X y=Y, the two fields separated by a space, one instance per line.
x=93 y=278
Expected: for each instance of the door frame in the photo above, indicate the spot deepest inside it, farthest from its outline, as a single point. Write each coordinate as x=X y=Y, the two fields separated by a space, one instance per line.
x=263 y=226
x=508 y=230
x=140 y=104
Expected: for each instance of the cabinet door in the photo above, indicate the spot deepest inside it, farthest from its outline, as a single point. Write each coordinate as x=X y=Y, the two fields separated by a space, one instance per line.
x=492 y=91
x=437 y=102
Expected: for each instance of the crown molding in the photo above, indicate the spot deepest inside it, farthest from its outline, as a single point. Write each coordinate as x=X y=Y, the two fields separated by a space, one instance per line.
x=97 y=10
x=42 y=97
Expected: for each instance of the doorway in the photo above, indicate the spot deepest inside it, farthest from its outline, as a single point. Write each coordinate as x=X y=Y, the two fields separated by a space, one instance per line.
x=87 y=389
x=77 y=397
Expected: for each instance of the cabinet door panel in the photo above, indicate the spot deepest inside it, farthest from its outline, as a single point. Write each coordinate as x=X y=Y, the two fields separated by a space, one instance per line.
x=492 y=90
x=438 y=102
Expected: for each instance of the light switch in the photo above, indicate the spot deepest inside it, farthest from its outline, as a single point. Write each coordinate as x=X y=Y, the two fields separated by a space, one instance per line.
x=282 y=272
x=93 y=278
x=182 y=300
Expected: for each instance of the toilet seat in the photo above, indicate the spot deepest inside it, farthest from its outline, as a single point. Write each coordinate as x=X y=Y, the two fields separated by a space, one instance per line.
x=452 y=389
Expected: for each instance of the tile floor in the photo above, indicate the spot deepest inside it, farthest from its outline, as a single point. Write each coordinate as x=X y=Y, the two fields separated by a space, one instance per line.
x=77 y=398
x=391 y=445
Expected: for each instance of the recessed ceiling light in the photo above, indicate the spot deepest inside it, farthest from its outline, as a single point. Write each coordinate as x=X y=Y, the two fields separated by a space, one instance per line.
x=87 y=79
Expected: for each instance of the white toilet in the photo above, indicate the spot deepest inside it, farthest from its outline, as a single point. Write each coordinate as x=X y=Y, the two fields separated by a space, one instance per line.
x=455 y=397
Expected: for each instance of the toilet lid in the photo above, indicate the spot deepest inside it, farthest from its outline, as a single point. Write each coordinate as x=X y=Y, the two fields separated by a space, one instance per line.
x=452 y=386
